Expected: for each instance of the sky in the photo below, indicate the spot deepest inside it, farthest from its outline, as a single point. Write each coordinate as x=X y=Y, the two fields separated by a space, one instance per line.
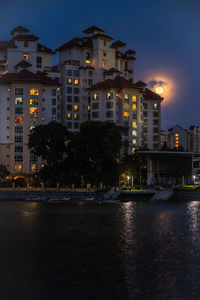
x=164 y=33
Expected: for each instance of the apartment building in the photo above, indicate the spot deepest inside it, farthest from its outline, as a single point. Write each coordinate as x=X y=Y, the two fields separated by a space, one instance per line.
x=179 y=138
x=97 y=83
x=28 y=97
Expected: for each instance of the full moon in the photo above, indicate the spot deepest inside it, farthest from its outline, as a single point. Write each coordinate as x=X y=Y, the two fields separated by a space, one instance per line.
x=159 y=90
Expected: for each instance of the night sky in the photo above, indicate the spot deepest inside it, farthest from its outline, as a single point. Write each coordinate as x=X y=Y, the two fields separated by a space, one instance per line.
x=164 y=33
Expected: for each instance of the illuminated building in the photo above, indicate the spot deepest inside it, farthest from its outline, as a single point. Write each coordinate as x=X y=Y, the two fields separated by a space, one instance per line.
x=28 y=97
x=179 y=138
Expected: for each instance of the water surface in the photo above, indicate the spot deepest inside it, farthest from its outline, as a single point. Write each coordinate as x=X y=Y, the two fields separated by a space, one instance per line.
x=133 y=250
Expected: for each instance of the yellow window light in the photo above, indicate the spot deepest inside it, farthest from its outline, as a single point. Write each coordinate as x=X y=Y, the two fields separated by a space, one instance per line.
x=134 y=124
x=134 y=98
x=88 y=61
x=26 y=56
x=34 y=92
x=76 y=107
x=33 y=110
x=69 y=80
x=76 y=81
x=126 y=114
x=134 y=107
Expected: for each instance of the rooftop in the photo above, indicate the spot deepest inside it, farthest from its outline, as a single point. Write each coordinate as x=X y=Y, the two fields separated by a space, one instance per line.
x=92 y=29
x=19 y=29
x=119 y=82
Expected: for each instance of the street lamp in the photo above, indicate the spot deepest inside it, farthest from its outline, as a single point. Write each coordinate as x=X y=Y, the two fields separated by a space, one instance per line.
x=128 y=177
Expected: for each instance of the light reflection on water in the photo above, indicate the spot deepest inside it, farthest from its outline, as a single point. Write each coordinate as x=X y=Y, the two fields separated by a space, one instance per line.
x=133 y=250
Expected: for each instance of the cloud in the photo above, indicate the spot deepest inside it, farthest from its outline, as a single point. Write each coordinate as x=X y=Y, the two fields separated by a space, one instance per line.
x=154 y=83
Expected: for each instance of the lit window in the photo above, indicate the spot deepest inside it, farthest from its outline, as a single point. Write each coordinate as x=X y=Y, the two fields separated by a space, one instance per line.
x=155 y=105
x=87 y=57
x=34 y=92
x=34 y=120
x=32 y=127
x=69 y=80
x=126 y=96
x=43 y=118
x=134 y=107
x=134 y=124
x=104 y=63
x=87 y=61
x=89 y=107
x=126 y=114
x=18 y=168
x=109 y=96
x=95 y=96
x=134 y=133
x=134 y=98
x=34 y=101
x=76 y=81
x=33 y=110
x=76 y=116
x=76 y=107
x=18 y=100
x=8 y=90
x=134 y=142
x=176 y=134
x=126 y=106
x=69 y=116
x=18 y=120
x=104 y=54
x=26 y=56
x=33 y=167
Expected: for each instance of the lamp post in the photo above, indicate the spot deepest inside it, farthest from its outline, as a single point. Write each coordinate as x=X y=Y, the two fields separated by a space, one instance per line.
x=128 y=177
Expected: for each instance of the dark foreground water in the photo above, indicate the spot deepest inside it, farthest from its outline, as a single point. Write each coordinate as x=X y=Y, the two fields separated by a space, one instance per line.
x=92 y=251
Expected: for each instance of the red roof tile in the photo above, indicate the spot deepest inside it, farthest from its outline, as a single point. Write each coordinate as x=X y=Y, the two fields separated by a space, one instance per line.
x=148 y=94
x=76 y=42
x=23 y=64
x=26 y=37
x=42 y=48
x=112 y=71
x=92 y=29
x=100 y=35
x=118 y=83
x=27 y=76
x=19 y=29
x=118 y=44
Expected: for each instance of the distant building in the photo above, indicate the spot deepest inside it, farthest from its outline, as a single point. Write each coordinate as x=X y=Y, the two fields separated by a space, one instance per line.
x=179 y=138
x=164 y=139
x=195 y=138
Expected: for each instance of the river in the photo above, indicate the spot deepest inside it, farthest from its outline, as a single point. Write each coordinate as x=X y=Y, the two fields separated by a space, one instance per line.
x=75 y=251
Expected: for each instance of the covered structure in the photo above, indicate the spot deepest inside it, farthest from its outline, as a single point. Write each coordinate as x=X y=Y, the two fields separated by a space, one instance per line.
x=169 y=167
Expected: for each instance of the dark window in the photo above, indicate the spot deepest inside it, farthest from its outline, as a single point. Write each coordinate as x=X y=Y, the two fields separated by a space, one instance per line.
x=109 y=105
x=69 y=107
x=69 y=98
x=95 y=114
x=25 y=44
x=39 y=62
x=76 y=90
x=69 y=72
x=76 y=72
x=95 y=105
x=53 y=111
x=109 y=114
x=18 y=91
x=19 y=110
x=53 y=92
x=53 y=101
x=145 y=105
x=69 y=90
x=76 y=99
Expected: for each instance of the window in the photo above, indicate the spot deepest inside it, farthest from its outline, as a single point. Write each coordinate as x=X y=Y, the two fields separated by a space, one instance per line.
x=134 y=124
x=109 y=96
x=69 y=125
x=25 y=44
x=155 y=114
x=76 y=116
x=18 y=100
x=95 y=105
x=87 y=57
x=109 y=114
x=155 y=138
x=76 y=72
x=76 y=125
x=134 y=107
x=76 y=99
x=155 y=105
x=18 y=129
x=18 y=168
x=39 y=61
x=18 y=110
x=18 y=148
x=26 y=56
x=76 y=81
x=69 y=107
x=53 y=92
x=155 y=130
x=104 y=54
x=53 y=101
x=33 y=110
x=109 y=105
x=145 y=114
x=145 y=105
x=69 y=72
x=76 y=90
x=34 y=120
x=69 y=81
x=126 y=97
x=69 y=98
x=104 y=63
x=53 y=111
x=34 y=92
x=90 y=81
x=32 y=127
x=95 y=97
x=34 y=101
x=145 y=129
x=126 y=114
x=145 y=121
x=18 y=138
x=76 y=108
x=69 y=116
x=104 y=43
x=95 y=114
x=155 y=145
x=33 y=167
x=134 y=133
x=18 y=91
x=134 y=98
x=18 y=120
x=69 y=90
x=155 y=122
x=90 y=74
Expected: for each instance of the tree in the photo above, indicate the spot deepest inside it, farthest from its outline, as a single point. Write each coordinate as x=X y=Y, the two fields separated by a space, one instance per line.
x=3 y=172
x=50 y=143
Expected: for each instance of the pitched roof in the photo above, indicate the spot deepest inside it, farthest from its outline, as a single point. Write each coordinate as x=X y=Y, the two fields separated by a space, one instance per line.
x=118 y=44
x=92 y=29
x=42 y=48
x=23 y=64
x=141 y=83
x=100 y=35
x=77 y=42
x=148 y=94
x=118 y=83
x=7 y=44
x=26 y=77
x=26 y=37
x=130 y=51
x=19 y=29
x=112 y=71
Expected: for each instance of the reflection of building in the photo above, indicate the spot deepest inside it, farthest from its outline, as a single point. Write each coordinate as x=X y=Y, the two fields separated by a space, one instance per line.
x=28 y=97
